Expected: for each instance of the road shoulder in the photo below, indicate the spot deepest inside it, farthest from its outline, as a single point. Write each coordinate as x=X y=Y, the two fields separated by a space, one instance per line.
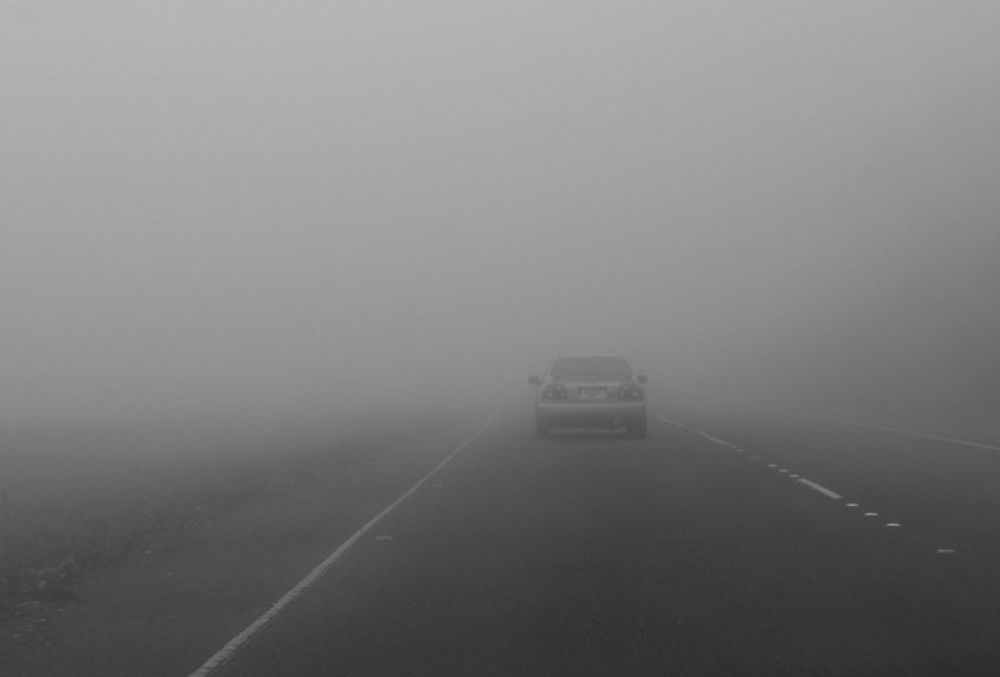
x=176 y=601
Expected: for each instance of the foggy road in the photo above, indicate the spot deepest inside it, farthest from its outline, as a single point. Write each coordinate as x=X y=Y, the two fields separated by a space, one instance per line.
x=684 y=553
x=266 y=266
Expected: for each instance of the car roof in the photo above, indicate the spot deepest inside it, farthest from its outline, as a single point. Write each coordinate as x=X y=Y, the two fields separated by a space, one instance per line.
x=590 y=364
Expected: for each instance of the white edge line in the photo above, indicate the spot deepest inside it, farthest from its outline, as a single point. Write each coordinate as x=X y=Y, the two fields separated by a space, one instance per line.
x=901 y=431
x=821 y=489
x=952 y=440
x=227 y=652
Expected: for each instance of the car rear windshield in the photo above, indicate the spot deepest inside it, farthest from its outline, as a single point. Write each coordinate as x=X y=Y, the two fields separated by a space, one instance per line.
x=590 y=366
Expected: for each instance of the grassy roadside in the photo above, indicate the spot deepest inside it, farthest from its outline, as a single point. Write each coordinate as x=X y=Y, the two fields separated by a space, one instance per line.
x=69 y=512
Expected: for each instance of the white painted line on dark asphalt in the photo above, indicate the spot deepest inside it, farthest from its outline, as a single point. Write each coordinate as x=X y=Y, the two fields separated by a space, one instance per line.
x=911 y=433
x=226 y=653
x=821 y=489
x=812 y=485
x=951 y=440
x=670 y=421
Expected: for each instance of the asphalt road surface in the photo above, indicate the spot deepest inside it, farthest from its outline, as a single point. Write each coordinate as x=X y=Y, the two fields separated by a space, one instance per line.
x=797 y=547
x=735 y=547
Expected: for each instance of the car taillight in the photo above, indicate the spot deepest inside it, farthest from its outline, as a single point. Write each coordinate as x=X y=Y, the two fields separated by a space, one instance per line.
x=630 y=391
x=555 y=391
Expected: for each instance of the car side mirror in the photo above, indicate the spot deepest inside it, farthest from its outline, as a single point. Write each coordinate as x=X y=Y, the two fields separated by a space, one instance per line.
x=535 y=381
x=641 y=378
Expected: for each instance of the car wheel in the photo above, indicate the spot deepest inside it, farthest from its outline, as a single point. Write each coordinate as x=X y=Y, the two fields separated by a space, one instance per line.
x=541 y=429
x=637 y=428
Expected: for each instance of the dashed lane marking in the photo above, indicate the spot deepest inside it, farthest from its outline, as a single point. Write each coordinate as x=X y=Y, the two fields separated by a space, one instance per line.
x=670 y=421
x=809 y=483
x=820 y=488
x=226 y=653
x=815 y=486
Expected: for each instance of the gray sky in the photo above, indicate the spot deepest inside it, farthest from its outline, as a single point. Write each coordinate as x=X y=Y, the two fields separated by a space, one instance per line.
x=249 y=204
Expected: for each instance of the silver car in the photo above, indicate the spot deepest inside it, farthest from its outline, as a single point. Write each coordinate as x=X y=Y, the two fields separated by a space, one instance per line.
x=591 y=391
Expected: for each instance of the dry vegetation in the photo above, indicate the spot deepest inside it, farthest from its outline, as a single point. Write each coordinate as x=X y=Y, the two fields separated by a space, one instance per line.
x=70 y=506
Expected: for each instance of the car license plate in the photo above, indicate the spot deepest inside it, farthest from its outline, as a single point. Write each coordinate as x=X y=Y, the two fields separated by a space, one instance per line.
x=592 y=394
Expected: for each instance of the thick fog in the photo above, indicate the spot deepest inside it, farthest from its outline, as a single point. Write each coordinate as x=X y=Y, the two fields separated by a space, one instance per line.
x=247 y=206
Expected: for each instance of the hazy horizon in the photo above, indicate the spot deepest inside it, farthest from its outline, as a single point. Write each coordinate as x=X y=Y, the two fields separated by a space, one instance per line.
x=249 y=206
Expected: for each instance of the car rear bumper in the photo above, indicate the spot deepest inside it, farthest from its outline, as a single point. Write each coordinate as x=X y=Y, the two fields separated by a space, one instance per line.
x=589 y=414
